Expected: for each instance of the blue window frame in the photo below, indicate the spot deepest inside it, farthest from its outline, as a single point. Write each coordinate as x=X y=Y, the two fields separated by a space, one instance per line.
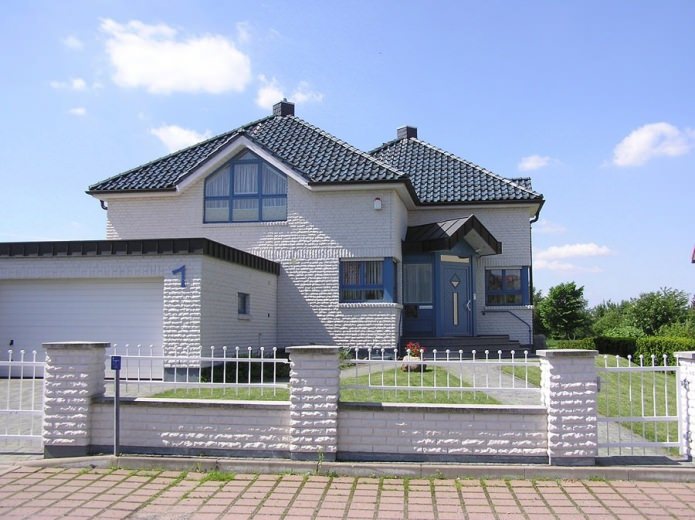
x=507 y=286
x=368 y=280
x=247 y=189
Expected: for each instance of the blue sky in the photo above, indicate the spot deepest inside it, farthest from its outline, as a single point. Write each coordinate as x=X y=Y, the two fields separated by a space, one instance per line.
x=593 y=100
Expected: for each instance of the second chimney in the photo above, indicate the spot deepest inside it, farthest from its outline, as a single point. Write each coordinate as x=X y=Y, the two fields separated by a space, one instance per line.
x=406 y=132
x=283 y=108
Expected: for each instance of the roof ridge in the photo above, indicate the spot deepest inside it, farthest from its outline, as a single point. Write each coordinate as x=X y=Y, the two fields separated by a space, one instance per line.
x=388 y=143
x=481 y=168
x=229 y=134
x=352 y=148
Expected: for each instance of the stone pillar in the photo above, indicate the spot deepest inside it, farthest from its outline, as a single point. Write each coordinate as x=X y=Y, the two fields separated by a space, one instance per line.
x=74 y=373
x=314 y=387
x=569 y=385
x=686 y=387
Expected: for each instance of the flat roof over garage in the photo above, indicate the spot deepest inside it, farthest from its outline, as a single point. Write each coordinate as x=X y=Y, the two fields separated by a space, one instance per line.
x=144 y=247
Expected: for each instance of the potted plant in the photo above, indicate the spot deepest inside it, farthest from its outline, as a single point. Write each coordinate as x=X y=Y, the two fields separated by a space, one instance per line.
x=412 y=361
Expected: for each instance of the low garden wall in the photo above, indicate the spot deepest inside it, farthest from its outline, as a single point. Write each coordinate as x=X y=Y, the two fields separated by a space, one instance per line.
x=314 y=425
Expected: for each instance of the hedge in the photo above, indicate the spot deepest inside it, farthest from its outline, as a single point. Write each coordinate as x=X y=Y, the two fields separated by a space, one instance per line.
x=582 y=344
x=660 y=346
x=616 y=346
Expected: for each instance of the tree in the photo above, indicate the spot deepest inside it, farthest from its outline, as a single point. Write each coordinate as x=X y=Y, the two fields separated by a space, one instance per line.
x=653 y=310
x=563 y=310
x=538 y=327
x=609 y=315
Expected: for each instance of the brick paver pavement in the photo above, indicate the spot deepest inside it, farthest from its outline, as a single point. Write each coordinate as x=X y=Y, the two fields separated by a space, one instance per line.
x=45 y=493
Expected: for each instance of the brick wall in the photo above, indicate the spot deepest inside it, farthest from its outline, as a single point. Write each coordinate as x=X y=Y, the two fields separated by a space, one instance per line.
x=445 y=433
x=194 y=427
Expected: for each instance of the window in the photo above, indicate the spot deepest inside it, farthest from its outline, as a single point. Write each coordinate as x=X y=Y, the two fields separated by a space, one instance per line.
x=246 y=190
x=507 y=286
x=417 y=283
x=368 y=280
x=244 y=304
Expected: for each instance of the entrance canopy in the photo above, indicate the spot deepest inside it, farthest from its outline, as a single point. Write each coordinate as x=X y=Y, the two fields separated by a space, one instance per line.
x=444 y=236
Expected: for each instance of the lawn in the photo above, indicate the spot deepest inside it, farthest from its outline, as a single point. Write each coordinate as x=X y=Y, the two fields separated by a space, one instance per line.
x=414 y=387
x=242 y=393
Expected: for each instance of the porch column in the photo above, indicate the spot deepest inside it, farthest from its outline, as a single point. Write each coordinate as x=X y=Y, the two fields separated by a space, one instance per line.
x=569 y=386
x=74 y=374
x=314 y=387
x=686 y=387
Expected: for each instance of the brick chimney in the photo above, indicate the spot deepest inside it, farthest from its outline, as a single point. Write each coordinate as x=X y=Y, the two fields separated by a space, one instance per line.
x=406 y=132
x=283 y=108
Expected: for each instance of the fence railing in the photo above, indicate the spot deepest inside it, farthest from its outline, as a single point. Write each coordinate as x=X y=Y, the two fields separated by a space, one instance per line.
x=21 y=400
x=489 y=377
x=212 y=372
x=638 y=406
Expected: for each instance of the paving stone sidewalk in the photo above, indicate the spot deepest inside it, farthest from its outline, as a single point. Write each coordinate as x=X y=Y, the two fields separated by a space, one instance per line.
x=52 y=492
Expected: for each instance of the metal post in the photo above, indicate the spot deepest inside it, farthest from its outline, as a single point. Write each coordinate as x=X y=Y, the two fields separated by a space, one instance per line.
x=116 y=366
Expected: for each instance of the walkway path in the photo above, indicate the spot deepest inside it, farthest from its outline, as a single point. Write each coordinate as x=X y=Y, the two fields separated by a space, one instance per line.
x=46 y=493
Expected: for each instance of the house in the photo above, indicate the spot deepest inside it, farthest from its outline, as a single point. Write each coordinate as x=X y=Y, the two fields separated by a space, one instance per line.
x=278 y=233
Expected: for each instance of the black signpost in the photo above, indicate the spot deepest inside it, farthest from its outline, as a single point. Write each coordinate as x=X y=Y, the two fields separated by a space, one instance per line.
x=116 y=367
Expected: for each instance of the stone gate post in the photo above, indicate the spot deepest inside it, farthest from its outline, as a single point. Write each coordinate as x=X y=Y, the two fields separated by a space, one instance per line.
x=74 y=373
x=686 y=387
x=569 y=386
x=314 y=387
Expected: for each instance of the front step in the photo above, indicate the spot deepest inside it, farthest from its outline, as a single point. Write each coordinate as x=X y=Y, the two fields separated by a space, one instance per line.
x=467 y=344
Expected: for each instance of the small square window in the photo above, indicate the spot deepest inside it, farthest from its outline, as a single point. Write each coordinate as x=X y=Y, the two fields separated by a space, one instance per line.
x=244 y=303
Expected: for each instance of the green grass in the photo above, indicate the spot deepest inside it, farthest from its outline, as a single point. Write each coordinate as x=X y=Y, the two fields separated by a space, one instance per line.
x=218 y=476
x=622 y=394
x=242 y=394
x=425 y=379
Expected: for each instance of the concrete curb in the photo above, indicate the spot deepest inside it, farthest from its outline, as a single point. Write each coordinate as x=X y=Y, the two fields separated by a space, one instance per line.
x=682 y=473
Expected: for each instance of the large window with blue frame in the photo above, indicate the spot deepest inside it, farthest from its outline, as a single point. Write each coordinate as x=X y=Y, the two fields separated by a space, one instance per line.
x=368 y=280
x=507 y=286
x=247 y=189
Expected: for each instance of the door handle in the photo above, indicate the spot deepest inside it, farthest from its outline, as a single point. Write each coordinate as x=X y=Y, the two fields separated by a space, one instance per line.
x=468 y=306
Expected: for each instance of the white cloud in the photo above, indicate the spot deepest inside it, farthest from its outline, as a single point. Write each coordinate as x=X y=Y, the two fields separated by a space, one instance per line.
x=271 y=92
x=78 y=111
x=533 y=162
x=653 y=140
x=573 y=251
x=175 y=137
x=547 y=227
x=304 y=94
x=554 y=265
x=153 y=58
x=72 y=84
x=73 y=42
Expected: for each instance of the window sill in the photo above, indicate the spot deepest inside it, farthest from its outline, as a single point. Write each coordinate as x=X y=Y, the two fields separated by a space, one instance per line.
x=246 y=317
x=370 y=305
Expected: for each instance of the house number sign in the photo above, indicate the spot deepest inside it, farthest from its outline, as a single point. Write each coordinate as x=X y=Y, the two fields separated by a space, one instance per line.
x=181 y=271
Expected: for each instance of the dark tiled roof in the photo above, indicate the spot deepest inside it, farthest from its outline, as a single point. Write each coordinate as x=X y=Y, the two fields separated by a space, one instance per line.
x=146 y=247
x=445 y=235
x=315 y=154
x=440 y=177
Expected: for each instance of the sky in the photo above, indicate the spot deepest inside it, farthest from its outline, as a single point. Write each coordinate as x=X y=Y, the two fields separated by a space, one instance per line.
x=594 y=100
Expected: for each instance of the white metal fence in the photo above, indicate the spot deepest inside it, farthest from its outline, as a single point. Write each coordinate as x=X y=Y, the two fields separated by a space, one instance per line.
x=639 y=406
x=21 y=402
x=446 y=376
x=212 y=372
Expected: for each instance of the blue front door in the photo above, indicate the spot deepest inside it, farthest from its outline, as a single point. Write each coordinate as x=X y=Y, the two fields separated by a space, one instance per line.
x=455 y=299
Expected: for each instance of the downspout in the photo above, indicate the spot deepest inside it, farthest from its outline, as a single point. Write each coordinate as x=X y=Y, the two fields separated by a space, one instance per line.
x=103 y=205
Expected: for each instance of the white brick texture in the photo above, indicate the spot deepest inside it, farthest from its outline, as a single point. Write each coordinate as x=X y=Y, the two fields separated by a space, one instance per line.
x=686 y=387
x=314 y=387
x=74 y=374
x=569 y=388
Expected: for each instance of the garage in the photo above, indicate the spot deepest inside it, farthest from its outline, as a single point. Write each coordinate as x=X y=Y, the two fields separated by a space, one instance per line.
x=120 y=311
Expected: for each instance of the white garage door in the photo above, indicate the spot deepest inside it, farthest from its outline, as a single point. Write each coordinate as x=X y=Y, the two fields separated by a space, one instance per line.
x=121 y=311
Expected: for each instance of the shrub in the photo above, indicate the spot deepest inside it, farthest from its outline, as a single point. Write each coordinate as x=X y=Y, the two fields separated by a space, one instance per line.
x=624 y=331
x=683 y=329
x=582 y=344
x=625 y=346
x=660 y=345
